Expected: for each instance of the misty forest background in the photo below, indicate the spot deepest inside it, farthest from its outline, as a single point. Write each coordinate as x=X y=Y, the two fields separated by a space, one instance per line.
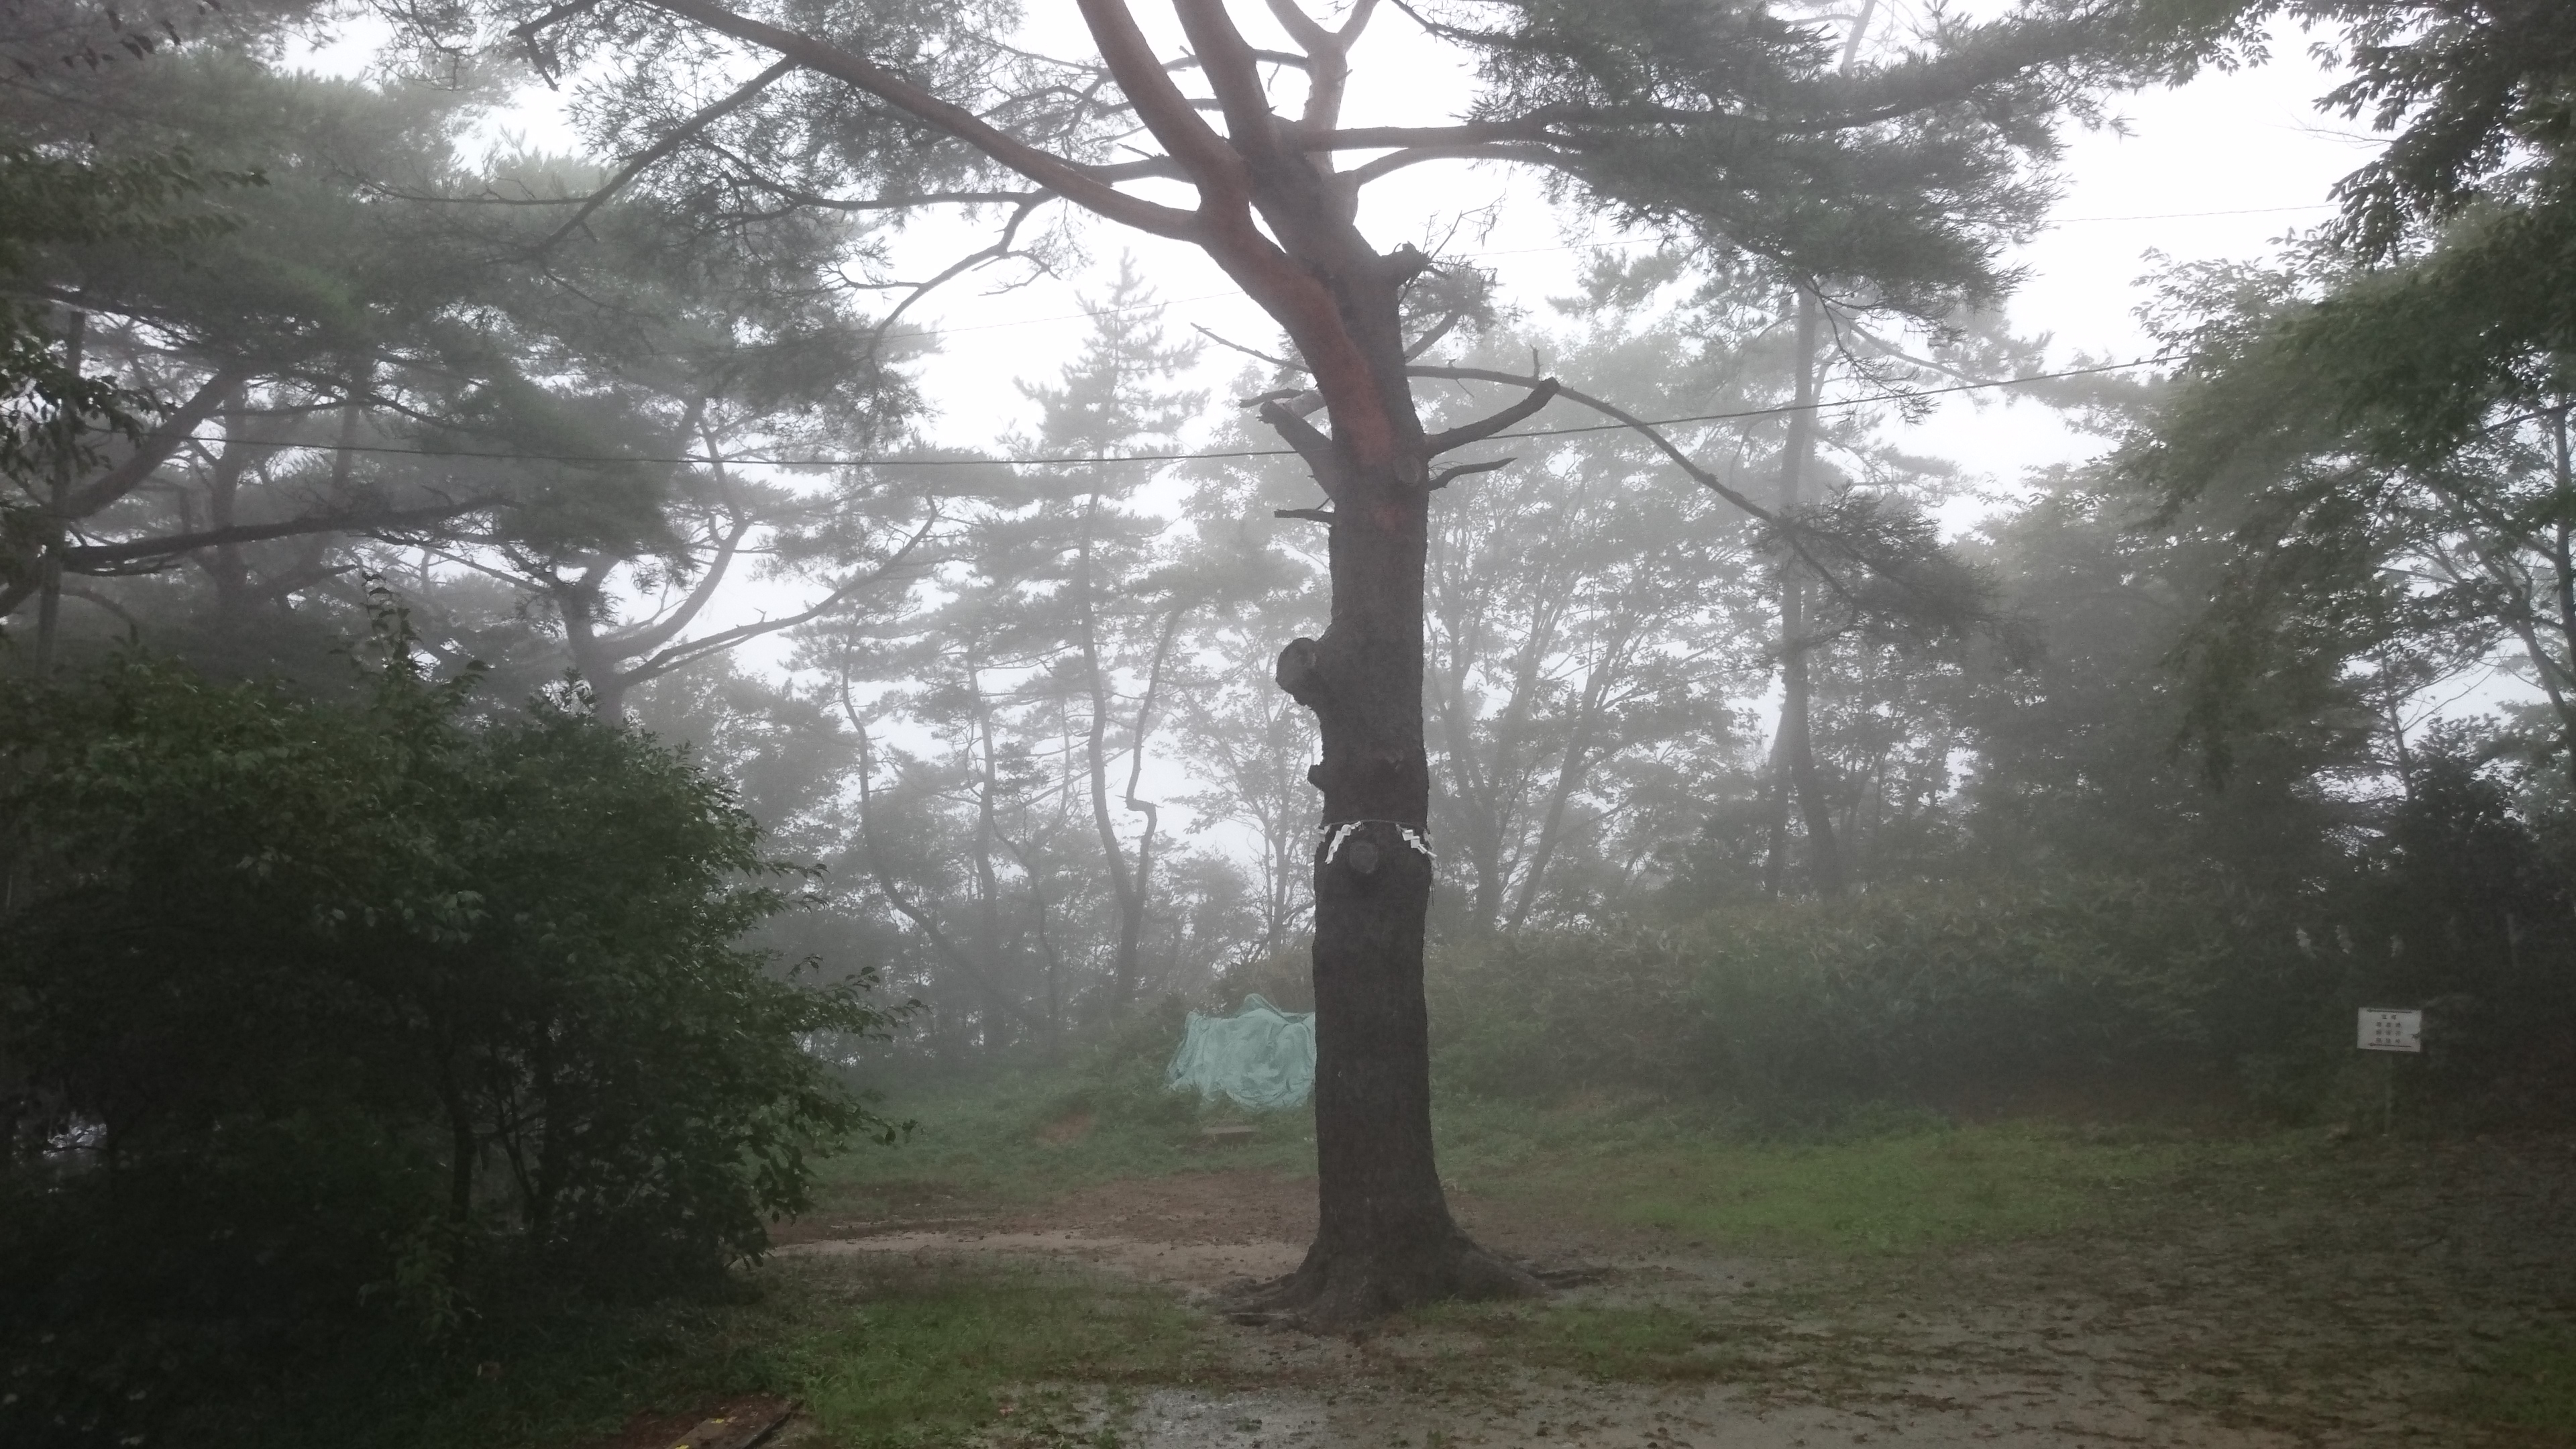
x=423 y=866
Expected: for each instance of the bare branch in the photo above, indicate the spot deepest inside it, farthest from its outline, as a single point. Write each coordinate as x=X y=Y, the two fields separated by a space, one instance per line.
x=1448 y=475
x=1431 y=338
x=1542 y=391
x=694 y=650
x=1653 y=434
x=655 y=635
x=1309 y=441
x=1001 y=249
x=1229 y=344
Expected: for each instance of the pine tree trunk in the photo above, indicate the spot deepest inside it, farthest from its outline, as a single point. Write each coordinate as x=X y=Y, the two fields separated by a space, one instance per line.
x=1385 y=1238
x=1797 y=740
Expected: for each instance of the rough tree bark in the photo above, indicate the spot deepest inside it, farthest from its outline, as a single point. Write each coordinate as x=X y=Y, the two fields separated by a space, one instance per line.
x=1385 y=1236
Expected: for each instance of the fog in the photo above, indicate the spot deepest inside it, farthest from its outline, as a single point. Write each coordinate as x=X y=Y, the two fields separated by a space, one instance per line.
x=637 y=632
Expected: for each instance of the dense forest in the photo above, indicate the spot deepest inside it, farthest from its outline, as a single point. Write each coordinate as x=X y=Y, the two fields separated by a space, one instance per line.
x=519 y=711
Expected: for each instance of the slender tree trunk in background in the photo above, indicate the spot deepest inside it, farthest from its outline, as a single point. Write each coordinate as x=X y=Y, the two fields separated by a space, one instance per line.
x=1796 y=740
x=49 y=578
x=1127 y=889
x=988 y=886
x=922 y=921
x=461 y=1146
x=231 y=574
x=1471 y=804
x=1775 y=800
x=2563 y=568
x=1131 y=924
x=1569 y=774
x=1793 y=752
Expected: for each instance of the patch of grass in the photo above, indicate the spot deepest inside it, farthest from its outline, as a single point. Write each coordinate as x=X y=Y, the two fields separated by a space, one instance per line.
x=913 y=1357
x=1029 y=1135
x=1860 y=1182
x=2528 y=1384
x=1911 y=1184
x=905 y=1356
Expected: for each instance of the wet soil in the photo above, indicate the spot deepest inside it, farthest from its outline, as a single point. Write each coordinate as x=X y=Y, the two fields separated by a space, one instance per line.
x=2349 y=1300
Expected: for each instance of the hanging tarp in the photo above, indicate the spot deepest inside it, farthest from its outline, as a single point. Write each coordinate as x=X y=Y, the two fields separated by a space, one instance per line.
x=1260 y=1057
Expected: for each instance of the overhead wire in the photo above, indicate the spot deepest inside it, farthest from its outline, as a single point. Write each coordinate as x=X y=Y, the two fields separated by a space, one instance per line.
x=1220 y=455
x=1603 y=245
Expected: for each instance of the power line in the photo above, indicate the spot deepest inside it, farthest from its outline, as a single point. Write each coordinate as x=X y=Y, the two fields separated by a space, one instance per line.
x=1637 y=241
x=1093 y=460
x=2189 y=215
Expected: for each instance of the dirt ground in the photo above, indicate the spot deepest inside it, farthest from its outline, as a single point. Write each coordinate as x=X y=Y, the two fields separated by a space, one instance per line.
x=2351 y=1306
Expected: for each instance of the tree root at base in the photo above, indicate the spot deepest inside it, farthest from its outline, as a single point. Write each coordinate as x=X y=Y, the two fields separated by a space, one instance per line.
x=1338 y=1289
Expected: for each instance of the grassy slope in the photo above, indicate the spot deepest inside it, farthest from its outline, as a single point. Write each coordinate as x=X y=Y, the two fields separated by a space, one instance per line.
x=915 y=1357
x=1027 y=1136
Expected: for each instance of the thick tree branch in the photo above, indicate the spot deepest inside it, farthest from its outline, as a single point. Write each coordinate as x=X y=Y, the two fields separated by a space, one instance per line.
x=680 y=136
x=1447 y=476
x=1541 y=393
x=1394 y=161
x=174 y=432
x=1234 y=72
x=1041 y=166
x=1328 y=68
x=694 y=650
x=1396 y=138
x=102 y=558
x=1215 y=167
x=654 y=636
x=1297 y=291
x=1309 y=441
x=1655 y=435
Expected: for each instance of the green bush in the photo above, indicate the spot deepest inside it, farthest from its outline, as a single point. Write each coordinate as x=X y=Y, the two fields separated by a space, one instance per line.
x=372 y=1009
x=1898 y=995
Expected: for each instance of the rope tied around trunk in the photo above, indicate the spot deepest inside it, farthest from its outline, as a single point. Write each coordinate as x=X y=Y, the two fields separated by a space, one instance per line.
x=1337 y=831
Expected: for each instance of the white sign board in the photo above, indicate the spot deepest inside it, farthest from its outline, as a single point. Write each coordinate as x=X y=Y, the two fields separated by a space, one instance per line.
x=2391 y=1031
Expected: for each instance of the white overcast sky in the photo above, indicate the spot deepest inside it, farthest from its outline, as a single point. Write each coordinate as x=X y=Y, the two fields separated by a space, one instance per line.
x=2220 y=168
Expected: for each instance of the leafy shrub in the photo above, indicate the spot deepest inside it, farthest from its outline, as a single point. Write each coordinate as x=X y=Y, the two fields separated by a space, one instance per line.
x=1119 y=1079
x=368 y=1008
x=1917 y=994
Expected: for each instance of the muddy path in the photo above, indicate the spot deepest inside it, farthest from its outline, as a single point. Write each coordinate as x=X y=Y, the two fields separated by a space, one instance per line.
x=2345 y=1302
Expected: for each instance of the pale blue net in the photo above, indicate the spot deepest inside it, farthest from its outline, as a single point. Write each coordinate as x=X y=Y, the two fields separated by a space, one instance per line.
x=1260 y=1057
